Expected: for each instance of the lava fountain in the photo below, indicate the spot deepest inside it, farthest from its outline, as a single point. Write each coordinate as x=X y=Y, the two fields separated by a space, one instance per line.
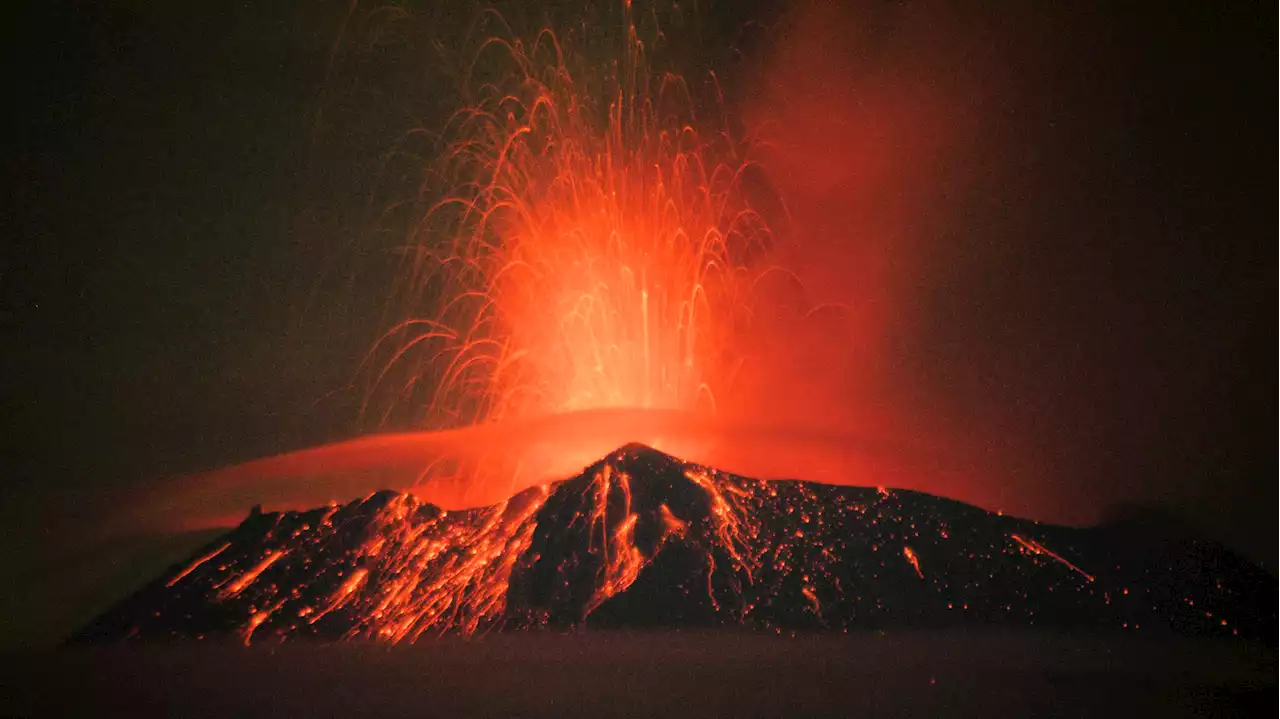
x=591 y=252
x=585 y=265
x=594 y=247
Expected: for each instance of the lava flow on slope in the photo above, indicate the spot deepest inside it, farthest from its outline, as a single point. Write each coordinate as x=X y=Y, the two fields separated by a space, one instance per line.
x=642 y=539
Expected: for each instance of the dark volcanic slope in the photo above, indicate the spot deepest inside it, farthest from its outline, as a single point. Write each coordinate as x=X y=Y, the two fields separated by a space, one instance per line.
x=643 y=539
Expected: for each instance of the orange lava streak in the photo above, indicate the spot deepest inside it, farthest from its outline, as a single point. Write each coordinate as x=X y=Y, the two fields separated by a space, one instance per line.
x=603 y=482
x=344 y=593
x=252 y=575
x=623 y=561
x=199 y=561
x=256 y=620
x=438 y=577
x=812 y=597
x=672 y=523
x=731 y=520
x=622 y=566
x=1034 y=547
x=910 y=554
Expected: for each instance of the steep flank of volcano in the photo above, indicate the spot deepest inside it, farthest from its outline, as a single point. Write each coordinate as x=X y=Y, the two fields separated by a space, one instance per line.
x=642 y=539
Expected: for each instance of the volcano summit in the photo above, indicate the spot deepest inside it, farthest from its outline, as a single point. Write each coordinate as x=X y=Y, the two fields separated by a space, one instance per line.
x=642 y=539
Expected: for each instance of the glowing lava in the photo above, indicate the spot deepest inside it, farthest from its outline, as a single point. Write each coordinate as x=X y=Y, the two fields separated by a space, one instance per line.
x=588 y=261
x=1034 y=547
x=641 y=539
x=591 y=249
x=581 y=275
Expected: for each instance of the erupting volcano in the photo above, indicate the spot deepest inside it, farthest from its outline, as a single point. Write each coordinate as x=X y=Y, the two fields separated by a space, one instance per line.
x=588 y=261
x=587 y=234
x=642 y=539
x=638 y=358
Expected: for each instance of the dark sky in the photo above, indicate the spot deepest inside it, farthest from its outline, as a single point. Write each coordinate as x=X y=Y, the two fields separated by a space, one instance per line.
x=177 y=192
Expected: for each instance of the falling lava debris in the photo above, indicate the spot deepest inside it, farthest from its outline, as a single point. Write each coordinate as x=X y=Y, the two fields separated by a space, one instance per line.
x=642 y=539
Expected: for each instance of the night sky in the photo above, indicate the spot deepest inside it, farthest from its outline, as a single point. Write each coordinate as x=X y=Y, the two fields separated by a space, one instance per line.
x=176 y=290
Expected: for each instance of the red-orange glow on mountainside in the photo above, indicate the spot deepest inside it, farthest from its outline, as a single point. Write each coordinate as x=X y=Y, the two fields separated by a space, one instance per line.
x=642 y=539
x=483 y=465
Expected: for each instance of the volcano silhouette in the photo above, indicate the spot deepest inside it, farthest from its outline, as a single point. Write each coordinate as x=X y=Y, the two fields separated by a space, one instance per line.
x=642 y=539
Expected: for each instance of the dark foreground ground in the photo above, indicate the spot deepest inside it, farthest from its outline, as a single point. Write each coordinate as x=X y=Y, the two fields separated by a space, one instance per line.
x=655 y=675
